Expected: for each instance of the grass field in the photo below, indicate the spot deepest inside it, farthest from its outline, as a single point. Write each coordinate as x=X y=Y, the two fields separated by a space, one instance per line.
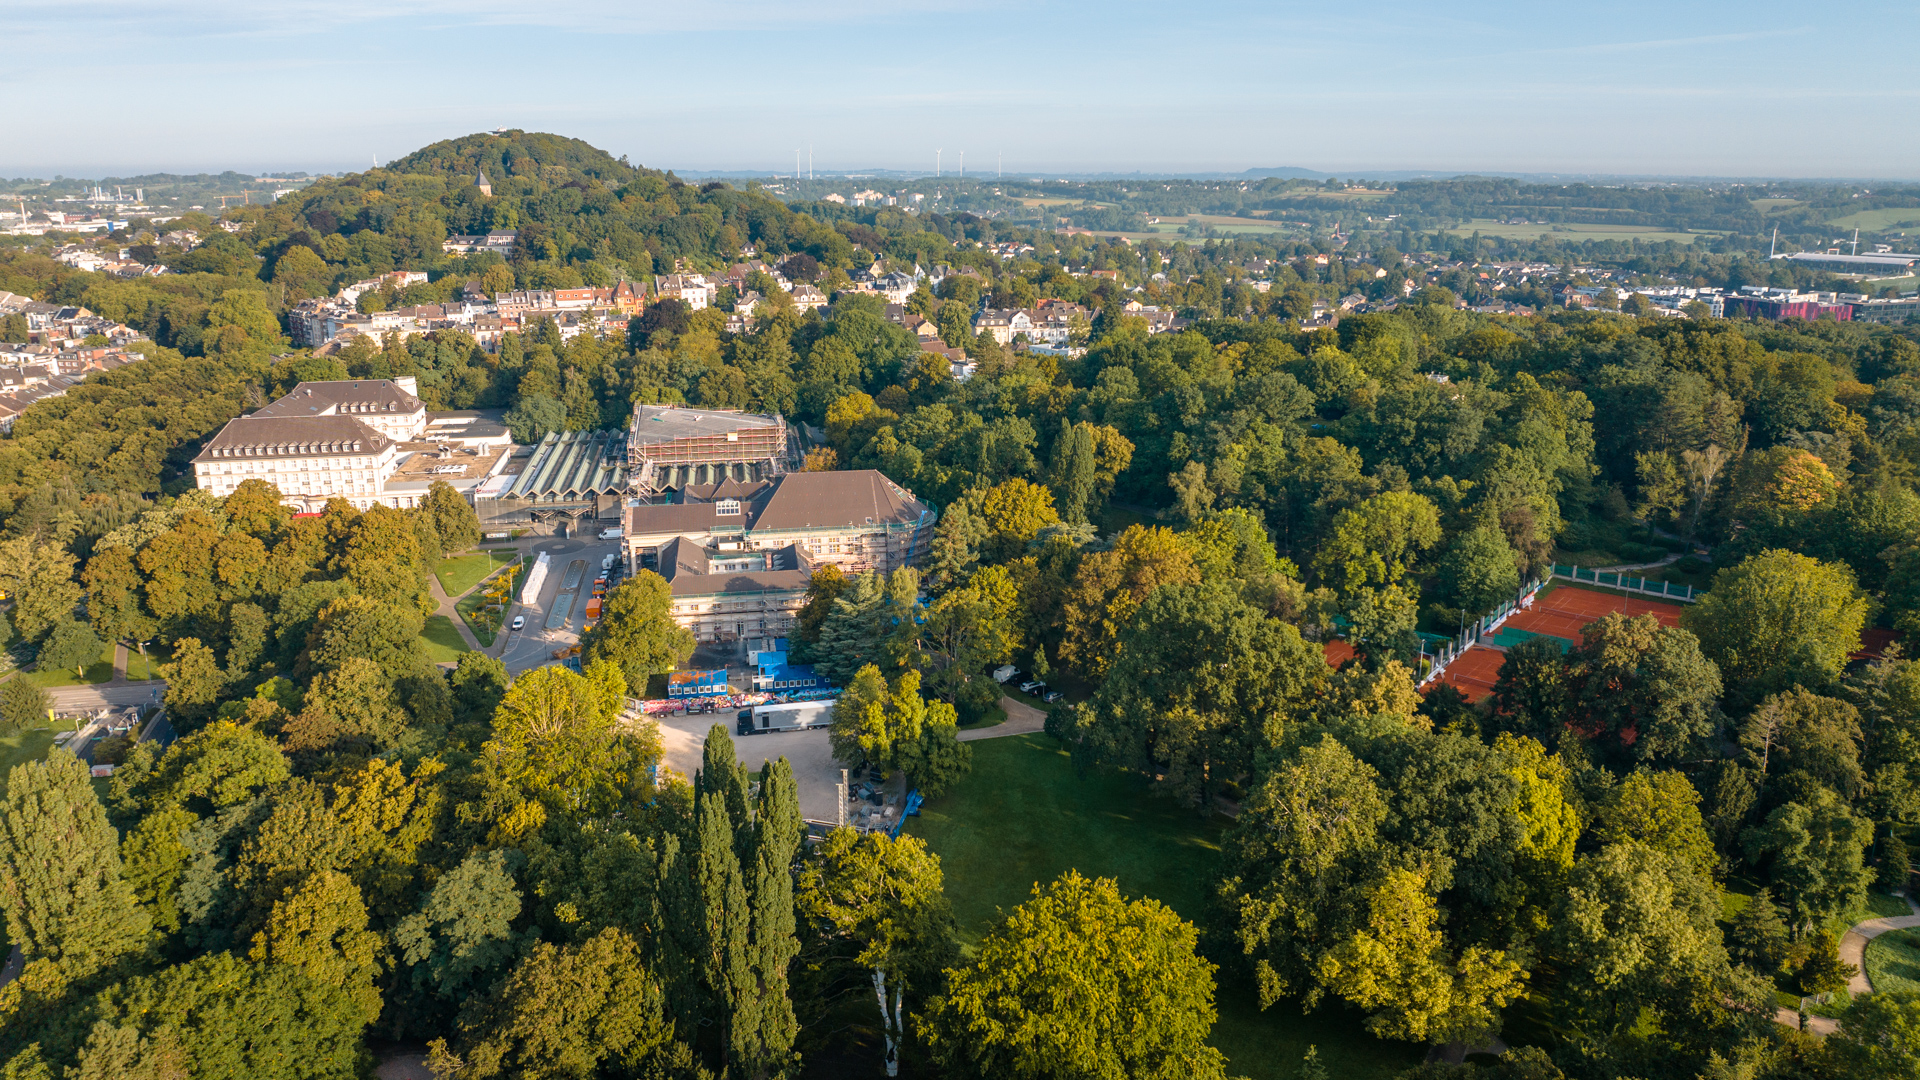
x=442 y=640
x=99 y=671
x=463 y=572
x=1766 y=205
x=1576 y=231
x=1879 y=220
x=1023 y=817
x=149 y=668
x=23 y=746
x=1893 y=961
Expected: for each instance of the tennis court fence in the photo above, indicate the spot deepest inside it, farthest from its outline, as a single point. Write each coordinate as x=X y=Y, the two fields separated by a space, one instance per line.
x=1436 y=661
x=1612 y=579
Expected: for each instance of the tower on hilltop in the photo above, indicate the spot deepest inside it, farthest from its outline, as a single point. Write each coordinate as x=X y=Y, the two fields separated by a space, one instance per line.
x=480 y=181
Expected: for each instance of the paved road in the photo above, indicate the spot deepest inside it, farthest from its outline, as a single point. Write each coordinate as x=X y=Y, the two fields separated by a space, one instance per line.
x=533 y=646
x=1853 y=947
x=78 y=698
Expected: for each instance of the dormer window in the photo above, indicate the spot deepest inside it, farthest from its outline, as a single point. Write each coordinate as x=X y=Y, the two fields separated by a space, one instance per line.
x=727 y=508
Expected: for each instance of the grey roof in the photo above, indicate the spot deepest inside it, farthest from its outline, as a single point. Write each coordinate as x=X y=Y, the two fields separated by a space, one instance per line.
x=806 y=499
x=791 y=501
x=665 y=423
x=283 y=436
x=687 y=566
x=344 y=396
x=570 y=464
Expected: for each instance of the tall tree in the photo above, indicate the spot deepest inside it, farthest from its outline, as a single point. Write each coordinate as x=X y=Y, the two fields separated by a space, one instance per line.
x=320 y=928
x=776 y=841
x=1777 y=619
x=1815 y=855
x=726 y=928
x=463 y=933
x=454 y=520
x=567 y=1012
x=1079 y=981
x=66 y=899
x=38 y=575
x=636 y=631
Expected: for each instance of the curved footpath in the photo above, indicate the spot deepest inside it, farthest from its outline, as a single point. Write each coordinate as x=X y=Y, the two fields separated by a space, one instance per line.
x=1853 y=950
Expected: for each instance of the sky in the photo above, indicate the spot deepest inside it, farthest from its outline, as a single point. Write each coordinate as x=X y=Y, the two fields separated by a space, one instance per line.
x=116 y=87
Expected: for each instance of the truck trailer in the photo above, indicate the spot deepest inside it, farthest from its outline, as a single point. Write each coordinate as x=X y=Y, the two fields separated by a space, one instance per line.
x=794 y=716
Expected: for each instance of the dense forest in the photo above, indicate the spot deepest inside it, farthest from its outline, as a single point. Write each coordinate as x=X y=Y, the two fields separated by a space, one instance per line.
x=351 y=849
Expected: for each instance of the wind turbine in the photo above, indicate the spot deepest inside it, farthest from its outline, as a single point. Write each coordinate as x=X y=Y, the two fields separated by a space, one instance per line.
x=936 y=164
x=963 y=164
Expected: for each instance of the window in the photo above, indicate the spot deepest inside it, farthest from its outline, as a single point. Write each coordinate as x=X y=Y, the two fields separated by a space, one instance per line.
x=727 y=507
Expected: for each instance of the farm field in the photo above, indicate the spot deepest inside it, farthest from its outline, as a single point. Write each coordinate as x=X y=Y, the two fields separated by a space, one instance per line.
x=1576 y=231
x=1883 y=220
x=1769 y=205
x=1023 y=816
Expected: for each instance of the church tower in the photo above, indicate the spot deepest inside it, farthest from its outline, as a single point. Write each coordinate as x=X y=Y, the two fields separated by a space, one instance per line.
x=480 y=181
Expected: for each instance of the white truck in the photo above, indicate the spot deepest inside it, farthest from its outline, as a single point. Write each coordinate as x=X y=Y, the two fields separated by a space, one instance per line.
x=794 y=716
x=1004 y=672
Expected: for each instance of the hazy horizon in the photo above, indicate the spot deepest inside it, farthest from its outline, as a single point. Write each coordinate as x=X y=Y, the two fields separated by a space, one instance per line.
x=1636 y=90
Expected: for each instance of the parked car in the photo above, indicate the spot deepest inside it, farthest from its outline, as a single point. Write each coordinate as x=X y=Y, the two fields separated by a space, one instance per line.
x=519 y=621
x=1054 y=697
x=1033 y=686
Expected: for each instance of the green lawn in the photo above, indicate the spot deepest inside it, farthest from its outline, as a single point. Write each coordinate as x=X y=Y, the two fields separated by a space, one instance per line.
x=99 y=671
x=1878 y=220
x=20 y=747
x=442 y=640
x=463 y=572
x=469 y=606
x=1893 y=961
x=157 y=654
x=1024 y=817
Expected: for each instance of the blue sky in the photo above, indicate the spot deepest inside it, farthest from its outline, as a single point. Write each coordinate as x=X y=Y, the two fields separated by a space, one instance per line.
x=1765 y=88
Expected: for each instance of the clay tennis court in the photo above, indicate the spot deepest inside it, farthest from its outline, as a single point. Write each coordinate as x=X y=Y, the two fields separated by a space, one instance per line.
x=1560 y=613
x=1565 y=610
x=1473 y=672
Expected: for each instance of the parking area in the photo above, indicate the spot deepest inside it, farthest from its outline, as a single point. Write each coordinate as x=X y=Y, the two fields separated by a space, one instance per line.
x=815 y=772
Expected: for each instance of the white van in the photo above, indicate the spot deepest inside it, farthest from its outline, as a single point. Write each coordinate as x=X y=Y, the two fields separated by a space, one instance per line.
x=613 y=533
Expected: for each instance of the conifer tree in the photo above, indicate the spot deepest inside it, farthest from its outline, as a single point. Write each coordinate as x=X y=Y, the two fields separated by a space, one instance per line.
x=725 y=925
x=1759 y=938
x=61 y=885
x=777 y=831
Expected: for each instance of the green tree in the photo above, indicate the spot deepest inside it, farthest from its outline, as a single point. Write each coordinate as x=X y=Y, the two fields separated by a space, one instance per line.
x=71 y=645
x=321 y=929
x=532 y=418
x=1800 y=732
x=1199 y=688
x=1632 y=924
x=879 y=903
x=1308 y=837
x=360 y=627
x=24 y=704
x=777 y=832
x=234 y=1018
x=38 y=575
x=1398 y=965
x=1660 y=810
x=566 y=1012
x=556 y=736
x=1759 y=936
x=1777 y=619
x=1480 y=569
x=1072 y=474
x=636 y=631
x=301 y=274
x=463 y=933
x=66 y=899
x=1641 y=691
x=1378 y=542
x=1530 y=693
x=1879 y=1037
x=453 y=517
x=725 y=929
x=1079 y=981
x=1815 y=856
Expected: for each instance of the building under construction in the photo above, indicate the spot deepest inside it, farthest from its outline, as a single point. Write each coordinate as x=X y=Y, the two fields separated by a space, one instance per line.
x=671 y=447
